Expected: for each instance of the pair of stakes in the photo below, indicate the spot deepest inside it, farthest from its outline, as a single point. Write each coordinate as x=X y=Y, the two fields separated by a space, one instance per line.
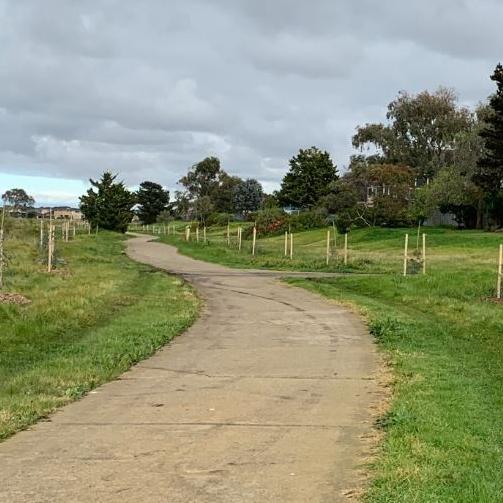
x=406 y=256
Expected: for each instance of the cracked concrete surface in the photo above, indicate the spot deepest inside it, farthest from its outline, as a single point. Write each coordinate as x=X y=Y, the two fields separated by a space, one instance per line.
x=267 y=398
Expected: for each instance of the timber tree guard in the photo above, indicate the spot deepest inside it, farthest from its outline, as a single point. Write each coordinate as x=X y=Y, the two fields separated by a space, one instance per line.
x=500 y=272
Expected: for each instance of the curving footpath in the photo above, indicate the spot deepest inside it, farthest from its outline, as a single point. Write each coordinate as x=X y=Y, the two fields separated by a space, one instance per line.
x=267 y=398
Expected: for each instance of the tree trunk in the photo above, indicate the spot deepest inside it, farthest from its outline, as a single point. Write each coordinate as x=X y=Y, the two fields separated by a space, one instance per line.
x=480 y=213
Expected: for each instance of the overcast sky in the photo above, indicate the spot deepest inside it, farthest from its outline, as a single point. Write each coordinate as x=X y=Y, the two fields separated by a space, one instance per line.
x=147 y=88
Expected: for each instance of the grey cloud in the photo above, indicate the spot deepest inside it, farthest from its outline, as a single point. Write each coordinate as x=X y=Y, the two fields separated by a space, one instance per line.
x=149 y=88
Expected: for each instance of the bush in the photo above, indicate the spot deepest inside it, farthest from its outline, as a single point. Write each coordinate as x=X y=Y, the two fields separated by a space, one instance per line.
x=312 y=219
x=269 y=222
x=274 y=221
x=220 y=219
x=343 y=221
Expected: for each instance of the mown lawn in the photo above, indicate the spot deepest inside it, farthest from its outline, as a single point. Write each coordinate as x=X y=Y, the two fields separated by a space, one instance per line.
x=442 y=334
x=90 y=320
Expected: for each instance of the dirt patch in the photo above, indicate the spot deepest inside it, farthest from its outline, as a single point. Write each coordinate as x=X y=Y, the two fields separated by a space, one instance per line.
x=13 y=298
x=494 y=300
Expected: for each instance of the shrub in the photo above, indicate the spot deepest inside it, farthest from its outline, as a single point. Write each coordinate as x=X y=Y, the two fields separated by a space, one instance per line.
x=220 y=219
x=274 y=221
x=269 y=222
x=305 y=220
x=343 y=221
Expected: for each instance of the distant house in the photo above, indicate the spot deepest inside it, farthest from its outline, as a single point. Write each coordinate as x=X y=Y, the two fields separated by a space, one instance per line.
x=60 y=212
x=290 y=210
x=21 y=212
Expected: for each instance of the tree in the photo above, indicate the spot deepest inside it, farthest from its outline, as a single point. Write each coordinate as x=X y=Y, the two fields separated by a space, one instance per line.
x=489 y=173
x=202 y=178
x=248 y=196
x=342 y=204
x=181 y=205
x=164 y=216
x=18 y=200
x=454 y=192
x=110 y=206
x=421 y=132
x=223 y=193
x=390 y=193
x=204 y=208
x=423 y=205
x=308 y=180
x=152 y=199
x=270 y=200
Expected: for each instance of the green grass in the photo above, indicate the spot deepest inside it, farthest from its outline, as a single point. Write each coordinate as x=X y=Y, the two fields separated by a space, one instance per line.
x=88 y=321
x=371 y=250
x=443 y=337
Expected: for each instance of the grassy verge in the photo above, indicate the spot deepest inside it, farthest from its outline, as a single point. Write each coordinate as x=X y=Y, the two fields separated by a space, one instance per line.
x=444 y=440
x=89 y=321
x=371 y=250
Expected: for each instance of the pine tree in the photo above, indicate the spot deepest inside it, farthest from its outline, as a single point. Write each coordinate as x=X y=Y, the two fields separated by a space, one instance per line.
x=152 y=199
x=489 y=173
x=110 y=207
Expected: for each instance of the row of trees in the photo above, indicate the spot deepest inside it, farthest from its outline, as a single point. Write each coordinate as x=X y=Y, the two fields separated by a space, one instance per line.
x=209 y=191
x=430 y=154
x=108 y=204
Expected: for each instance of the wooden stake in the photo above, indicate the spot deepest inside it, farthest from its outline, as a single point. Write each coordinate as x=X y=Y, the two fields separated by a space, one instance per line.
x=74 y=231
x=328 y=246
x=500 y=272
x=41 y=233
x=286 y=243
x=405 y=254
x=424 y=253
x=50 y=247
x=291 y=245
x=228 y=235
x=254 y=240
x=240 y=237
x=1 y=259
x=2 y=263
x=204 y=234
x=346 y=248
x=197 y=234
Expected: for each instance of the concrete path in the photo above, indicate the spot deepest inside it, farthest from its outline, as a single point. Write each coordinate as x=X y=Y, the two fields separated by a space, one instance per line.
x=267 y=398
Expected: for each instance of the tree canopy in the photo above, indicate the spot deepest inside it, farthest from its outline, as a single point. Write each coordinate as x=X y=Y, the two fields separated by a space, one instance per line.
x=110 y=206
x=421 y=131
x=308 y=179
x=152 y=200
x=248 y=196
x=202 y=178
x=490 y=166
x=18 y=199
